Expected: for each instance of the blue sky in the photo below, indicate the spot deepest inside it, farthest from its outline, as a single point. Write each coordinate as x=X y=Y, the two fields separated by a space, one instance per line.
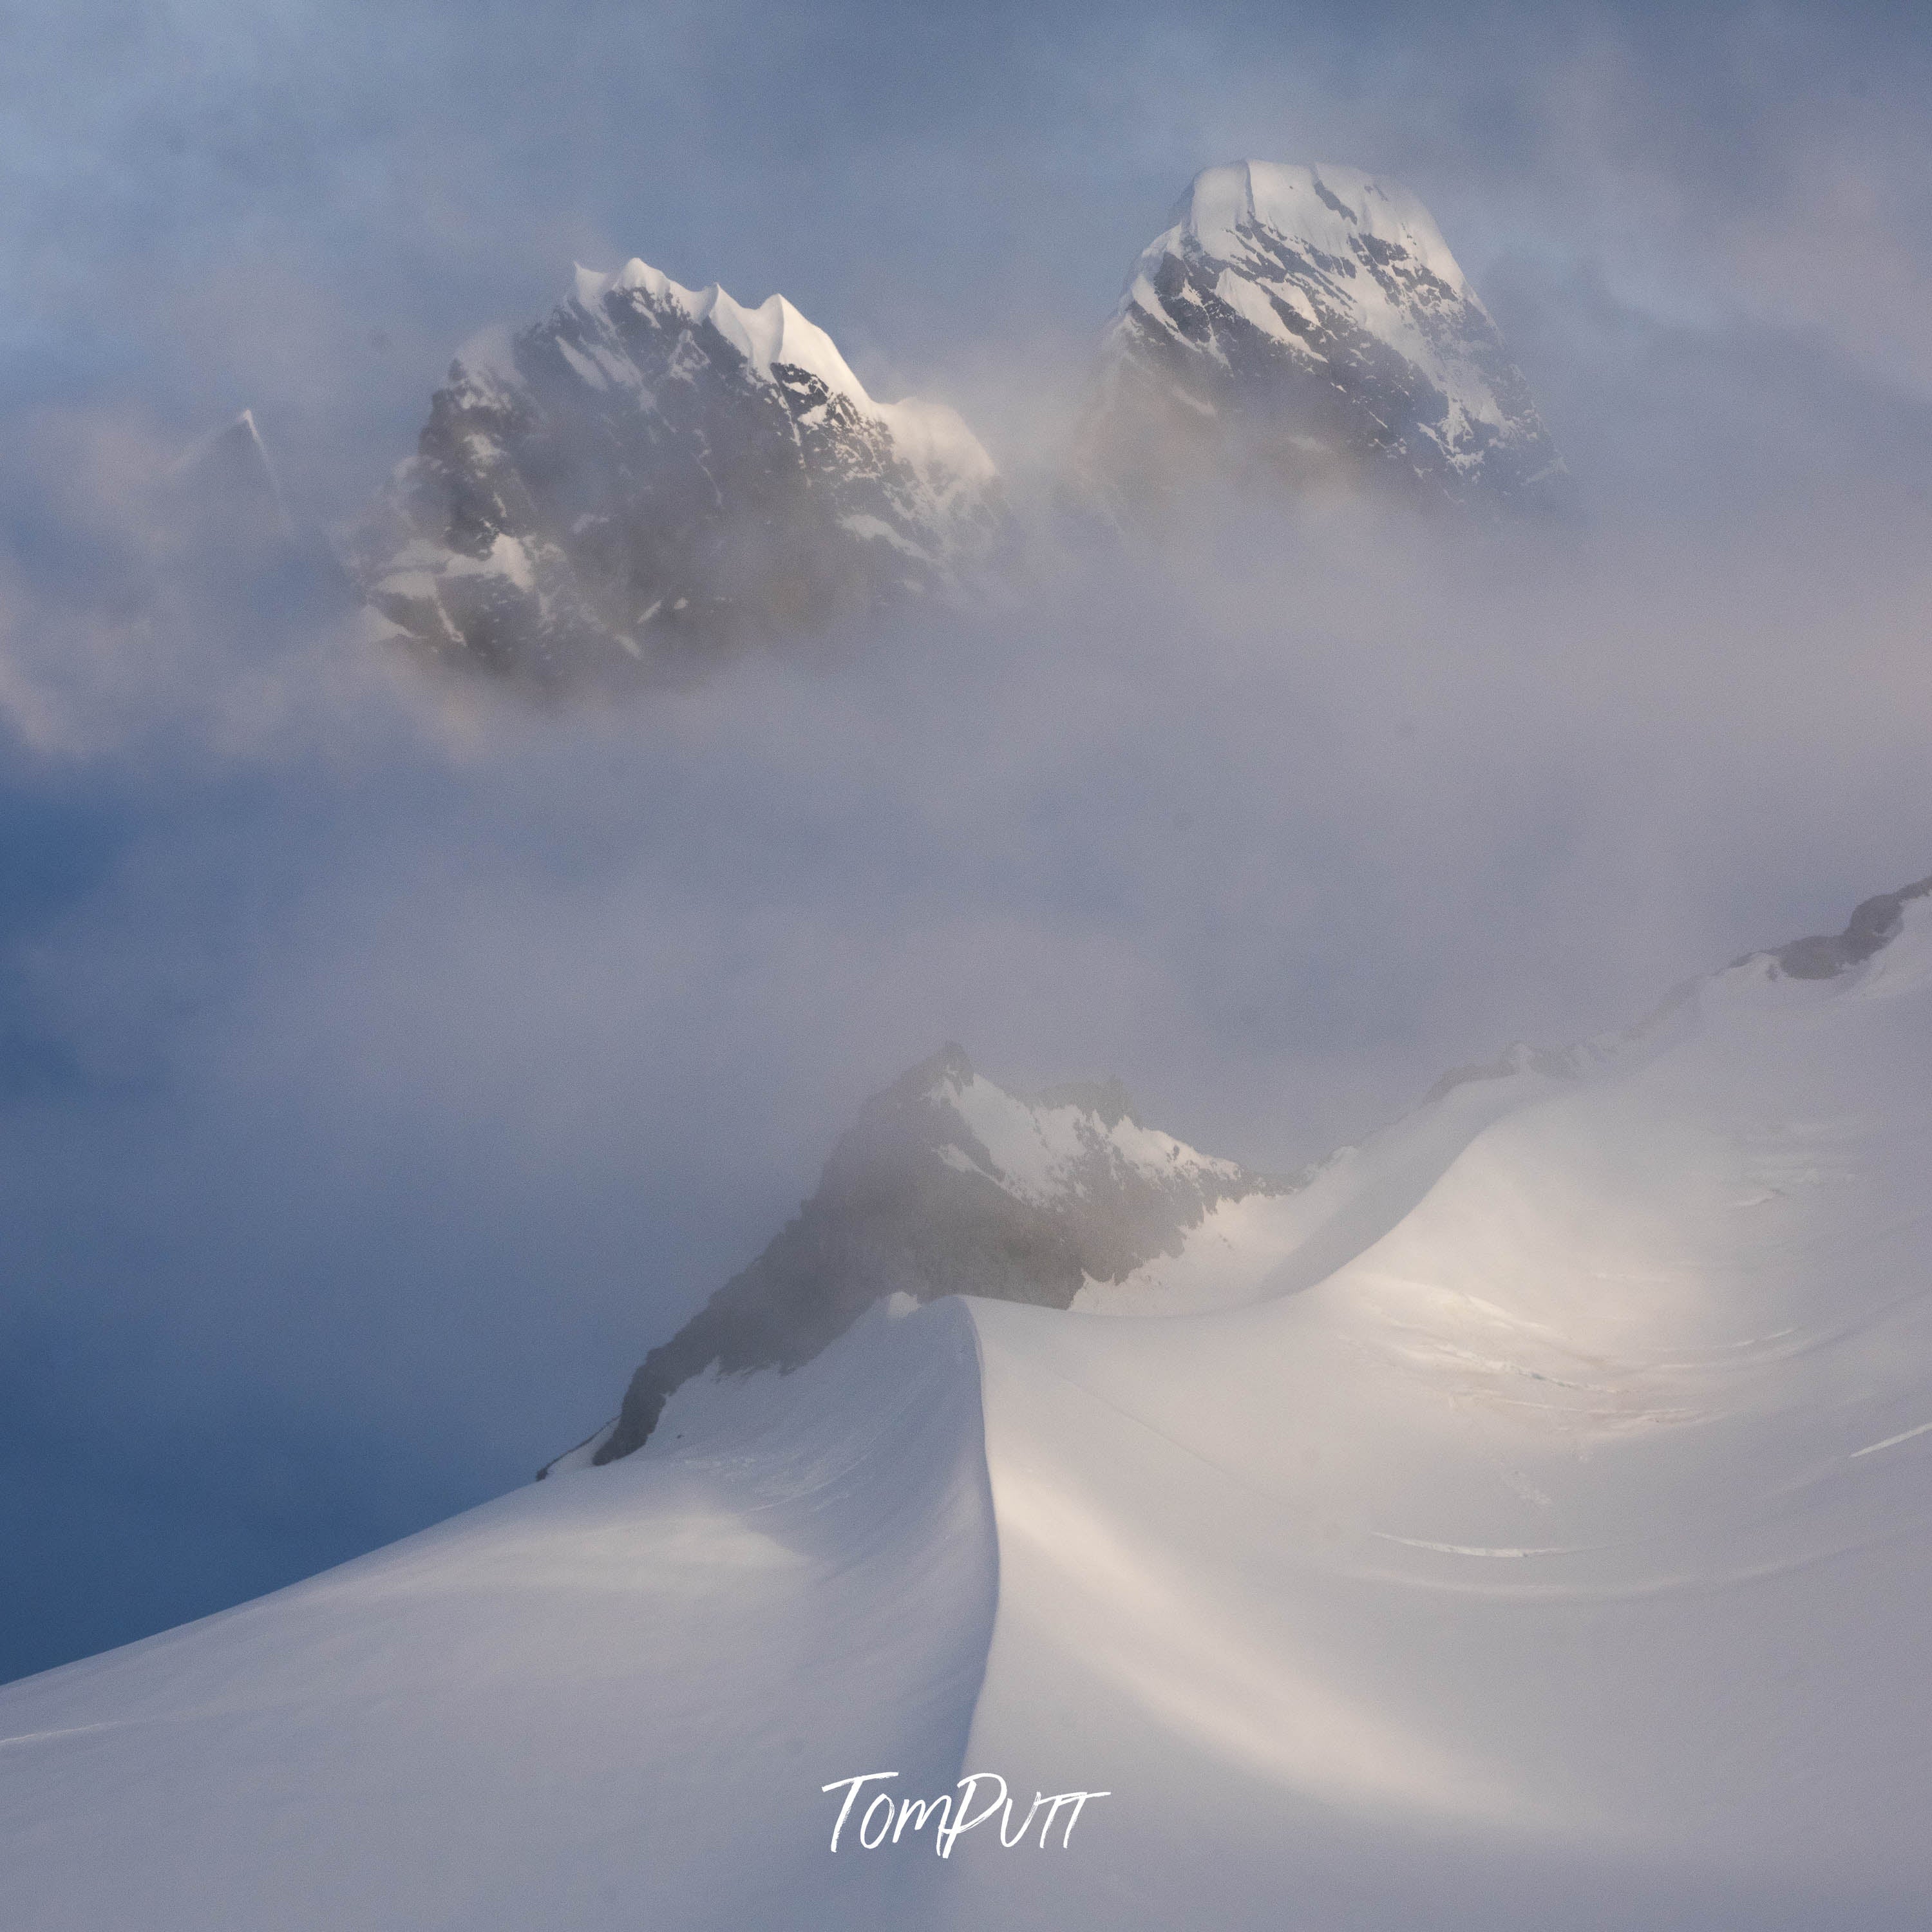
x=381 y=1074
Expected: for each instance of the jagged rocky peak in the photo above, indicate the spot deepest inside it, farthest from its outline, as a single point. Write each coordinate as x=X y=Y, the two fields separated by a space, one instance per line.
x=1874 y=924
x=1308 y=328
x=948 y=1183
x=652 y=469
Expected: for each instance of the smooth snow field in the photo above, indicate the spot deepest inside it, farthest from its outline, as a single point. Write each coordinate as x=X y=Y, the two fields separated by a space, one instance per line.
x=1530 y=1526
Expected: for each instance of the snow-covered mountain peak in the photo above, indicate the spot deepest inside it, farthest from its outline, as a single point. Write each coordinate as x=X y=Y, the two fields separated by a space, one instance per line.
x=948 y=1183
x=653 y=467
x=1326 y=209
x=773 y=334
x=1308 y=326
x=1048 y=1148
x=230 y=472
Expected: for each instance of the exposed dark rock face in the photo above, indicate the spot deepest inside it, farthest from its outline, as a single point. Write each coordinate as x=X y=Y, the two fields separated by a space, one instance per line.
x=947 y=1185
x=652 y=469
x=1872 y=926
x=1307 y=328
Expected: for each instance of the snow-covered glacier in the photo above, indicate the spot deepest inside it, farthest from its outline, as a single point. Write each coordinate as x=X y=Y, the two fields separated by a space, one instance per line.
x=1521 y=1521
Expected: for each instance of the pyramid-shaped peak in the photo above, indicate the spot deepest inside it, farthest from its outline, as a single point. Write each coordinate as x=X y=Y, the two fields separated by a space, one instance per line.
x=1327 y=205
x=1304 y=328
x=227 y=483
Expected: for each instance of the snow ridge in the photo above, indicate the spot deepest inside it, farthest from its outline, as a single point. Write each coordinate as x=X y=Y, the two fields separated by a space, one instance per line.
x=948 y=1183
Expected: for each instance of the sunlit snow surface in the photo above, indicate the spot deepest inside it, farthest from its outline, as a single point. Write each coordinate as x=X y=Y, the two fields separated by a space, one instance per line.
x=1557 y=1556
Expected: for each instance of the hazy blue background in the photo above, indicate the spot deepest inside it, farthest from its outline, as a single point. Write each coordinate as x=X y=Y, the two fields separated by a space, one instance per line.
x=383 y=1071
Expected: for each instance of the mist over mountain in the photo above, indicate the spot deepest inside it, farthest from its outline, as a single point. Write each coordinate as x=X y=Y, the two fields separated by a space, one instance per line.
x=651 y=472
x=1306 y=328
x=949 y=1185
x=1505 y=1525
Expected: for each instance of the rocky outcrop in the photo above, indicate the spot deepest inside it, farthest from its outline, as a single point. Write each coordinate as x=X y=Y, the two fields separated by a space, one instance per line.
x=948 y=1184
x=1874 y=923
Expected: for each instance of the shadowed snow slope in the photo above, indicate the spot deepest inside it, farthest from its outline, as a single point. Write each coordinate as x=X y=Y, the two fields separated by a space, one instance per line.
x=1557 y=1556
x=611 y=1699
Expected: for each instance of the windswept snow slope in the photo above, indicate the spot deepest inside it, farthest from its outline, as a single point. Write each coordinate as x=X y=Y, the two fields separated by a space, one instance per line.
x=608 y=1699
x=1562 y=1559
x=1558 y=1558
